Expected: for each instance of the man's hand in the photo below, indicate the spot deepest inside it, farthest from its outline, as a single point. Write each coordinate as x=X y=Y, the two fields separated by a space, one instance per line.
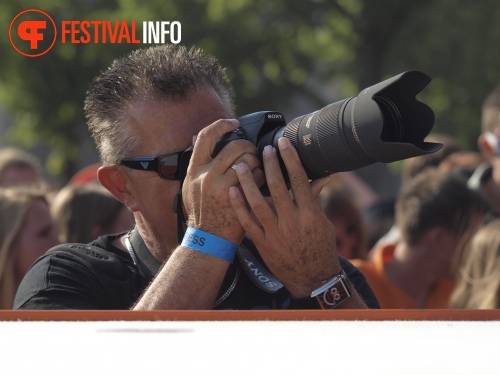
x=293 y=235
x=208 y=179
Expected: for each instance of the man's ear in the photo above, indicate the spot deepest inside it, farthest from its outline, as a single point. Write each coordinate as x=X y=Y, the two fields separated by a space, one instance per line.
x=113 y=179
x=486 y=146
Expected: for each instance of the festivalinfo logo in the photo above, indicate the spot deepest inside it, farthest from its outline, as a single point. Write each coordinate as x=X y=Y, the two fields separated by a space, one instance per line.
x=33 y=32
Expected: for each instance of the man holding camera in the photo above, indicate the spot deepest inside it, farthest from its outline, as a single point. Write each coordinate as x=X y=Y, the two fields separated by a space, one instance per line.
x=240 y=250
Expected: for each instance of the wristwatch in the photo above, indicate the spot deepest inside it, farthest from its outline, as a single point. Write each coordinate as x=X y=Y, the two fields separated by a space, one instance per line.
x=333 y=292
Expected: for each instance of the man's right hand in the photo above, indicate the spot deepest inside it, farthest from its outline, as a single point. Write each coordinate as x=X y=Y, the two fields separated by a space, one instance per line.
x=208 y=179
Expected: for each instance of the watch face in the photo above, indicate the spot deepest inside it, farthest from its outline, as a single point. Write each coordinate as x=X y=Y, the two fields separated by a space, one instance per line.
x=334 y=296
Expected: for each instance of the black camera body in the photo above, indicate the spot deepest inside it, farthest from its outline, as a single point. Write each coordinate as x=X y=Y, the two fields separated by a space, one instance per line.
x=260 y=128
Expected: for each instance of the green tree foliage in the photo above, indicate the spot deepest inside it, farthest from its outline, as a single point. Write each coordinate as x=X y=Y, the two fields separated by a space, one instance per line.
x=276 y=52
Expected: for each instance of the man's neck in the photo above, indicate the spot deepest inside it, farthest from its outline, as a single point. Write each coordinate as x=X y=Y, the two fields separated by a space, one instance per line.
x=160 y=244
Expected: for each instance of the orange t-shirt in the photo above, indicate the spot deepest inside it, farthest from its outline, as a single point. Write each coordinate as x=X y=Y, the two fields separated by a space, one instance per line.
x=390 y=296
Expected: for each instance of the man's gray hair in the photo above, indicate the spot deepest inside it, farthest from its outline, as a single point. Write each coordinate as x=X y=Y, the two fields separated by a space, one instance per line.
x=161 y=72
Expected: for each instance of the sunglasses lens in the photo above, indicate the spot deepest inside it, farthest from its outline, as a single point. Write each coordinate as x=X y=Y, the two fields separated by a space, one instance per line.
x=167 y=166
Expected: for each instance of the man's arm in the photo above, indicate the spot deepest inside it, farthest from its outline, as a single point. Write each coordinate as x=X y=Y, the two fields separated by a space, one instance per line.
x=292 y=234
x=191 y=279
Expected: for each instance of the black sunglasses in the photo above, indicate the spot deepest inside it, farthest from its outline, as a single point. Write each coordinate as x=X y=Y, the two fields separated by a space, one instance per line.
x=167 y=166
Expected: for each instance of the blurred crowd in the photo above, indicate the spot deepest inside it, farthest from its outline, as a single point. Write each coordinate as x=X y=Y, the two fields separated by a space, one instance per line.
x=435 y=245
x=36 y=216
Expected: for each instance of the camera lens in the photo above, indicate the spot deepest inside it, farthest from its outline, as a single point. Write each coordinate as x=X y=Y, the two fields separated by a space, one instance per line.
x=384 y=123
x=392 y=130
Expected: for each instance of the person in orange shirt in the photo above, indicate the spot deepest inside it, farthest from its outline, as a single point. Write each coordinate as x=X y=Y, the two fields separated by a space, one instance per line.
x=435 y=214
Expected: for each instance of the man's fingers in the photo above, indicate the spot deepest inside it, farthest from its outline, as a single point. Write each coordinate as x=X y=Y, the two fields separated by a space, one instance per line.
x=207 y=138
x=319 y=184
x=299 y=182
x=247 y=221
x=256 y=201
x=275 y=182
x=249 y=159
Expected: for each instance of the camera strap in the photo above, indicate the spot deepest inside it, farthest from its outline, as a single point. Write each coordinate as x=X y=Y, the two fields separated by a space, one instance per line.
x=181 y=219
x=257 y=272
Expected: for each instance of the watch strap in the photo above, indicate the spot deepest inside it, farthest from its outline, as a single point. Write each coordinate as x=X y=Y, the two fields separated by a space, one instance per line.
x=333 y=292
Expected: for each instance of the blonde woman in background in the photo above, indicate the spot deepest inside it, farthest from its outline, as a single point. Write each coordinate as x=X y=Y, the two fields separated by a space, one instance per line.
x=479 y=278
x=27 y=231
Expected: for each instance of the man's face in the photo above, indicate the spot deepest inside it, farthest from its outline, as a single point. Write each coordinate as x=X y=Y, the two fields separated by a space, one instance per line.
x=489 y=144
x=19 y=176
x=164 y=127
x=492 y=140
x=489 y=141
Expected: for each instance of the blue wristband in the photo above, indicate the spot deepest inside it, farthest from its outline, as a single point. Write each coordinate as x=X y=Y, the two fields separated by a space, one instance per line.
x=210 y=244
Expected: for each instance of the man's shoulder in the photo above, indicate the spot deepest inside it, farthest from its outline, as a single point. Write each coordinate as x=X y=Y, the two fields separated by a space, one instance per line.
x=99 y=258
x=82 y=276
x=373 y=267
x=365 y=266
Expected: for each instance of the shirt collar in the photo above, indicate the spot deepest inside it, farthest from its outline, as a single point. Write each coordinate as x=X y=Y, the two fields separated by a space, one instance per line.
x=148 y=263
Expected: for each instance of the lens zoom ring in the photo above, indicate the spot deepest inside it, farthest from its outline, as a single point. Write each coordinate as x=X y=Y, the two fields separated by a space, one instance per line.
x=336 y=154
x=292 y=130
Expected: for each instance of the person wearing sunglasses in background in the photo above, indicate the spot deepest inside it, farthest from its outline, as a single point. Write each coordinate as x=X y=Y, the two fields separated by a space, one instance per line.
x=486 y=178
x=236 y=249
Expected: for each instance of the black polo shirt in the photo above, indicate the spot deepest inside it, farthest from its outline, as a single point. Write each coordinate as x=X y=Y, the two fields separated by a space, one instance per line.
x=99 y=276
